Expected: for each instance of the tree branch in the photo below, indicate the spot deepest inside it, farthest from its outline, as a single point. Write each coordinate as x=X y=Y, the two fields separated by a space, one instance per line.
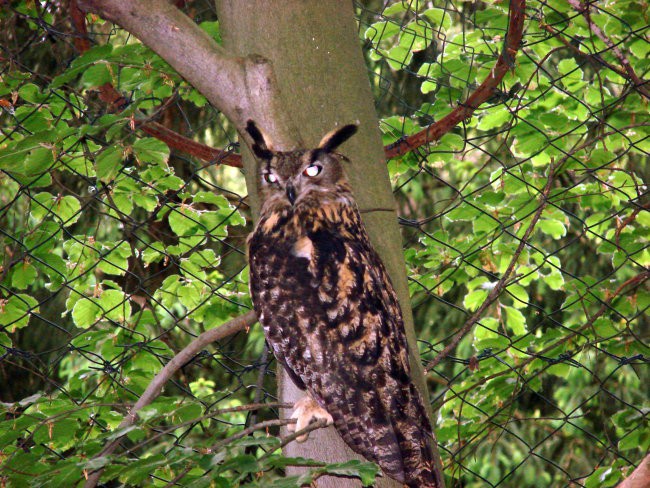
x=155 y=387
x=240 y=87
x=637 y=82
x=502 y=283
x=181 y=143
x=117 y=102
x=505 y=62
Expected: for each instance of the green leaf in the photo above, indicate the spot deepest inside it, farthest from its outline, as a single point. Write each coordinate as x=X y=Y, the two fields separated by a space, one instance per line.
x=150 y=150
x=88 y=58
x=60 y=433
x=519 y=295
x=30 y=93
x=154 y=252
x=30 y=157
x=85 y=313
x=572 y=75
x=96 y=75
x=212 y=28
x=515 y=320
x=486 y=329
x=439 y=17
x=183 y=221
x=109 y=163
x=450 y=142
x=604 y=327
x=554 y=228
x=16 y=311
x=603 y=478
x=493 y=119
x=66 y=209
x=23 y=275
x=367 y=472
x=136 y=471
x=474 y=299
x=115 y=261
x=115 y=305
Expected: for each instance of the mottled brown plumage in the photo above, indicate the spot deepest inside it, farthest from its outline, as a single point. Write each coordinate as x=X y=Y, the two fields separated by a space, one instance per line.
x=329 y=310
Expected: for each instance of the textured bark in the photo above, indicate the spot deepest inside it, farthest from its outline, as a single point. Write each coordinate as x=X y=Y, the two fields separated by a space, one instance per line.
x=322 y=81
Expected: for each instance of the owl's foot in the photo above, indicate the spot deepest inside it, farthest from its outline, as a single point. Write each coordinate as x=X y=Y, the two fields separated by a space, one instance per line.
x=306 y=411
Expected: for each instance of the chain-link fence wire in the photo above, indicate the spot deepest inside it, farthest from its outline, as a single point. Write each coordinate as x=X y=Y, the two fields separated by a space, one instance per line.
x=114 y=256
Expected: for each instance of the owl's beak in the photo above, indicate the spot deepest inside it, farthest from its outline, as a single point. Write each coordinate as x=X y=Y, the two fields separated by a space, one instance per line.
x=291 y=193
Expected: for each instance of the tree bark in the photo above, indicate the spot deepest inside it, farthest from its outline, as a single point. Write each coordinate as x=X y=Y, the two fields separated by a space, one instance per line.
x=323 y=82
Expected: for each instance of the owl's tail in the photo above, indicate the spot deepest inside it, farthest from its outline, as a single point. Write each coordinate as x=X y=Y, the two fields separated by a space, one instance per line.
x=413 y=433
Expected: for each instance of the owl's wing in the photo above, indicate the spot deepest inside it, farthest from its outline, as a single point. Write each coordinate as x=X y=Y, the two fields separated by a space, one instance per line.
x=363 y=380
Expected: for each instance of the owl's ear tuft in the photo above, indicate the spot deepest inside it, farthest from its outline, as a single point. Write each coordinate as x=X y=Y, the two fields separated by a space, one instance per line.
x=259 y=147
x=334 y=139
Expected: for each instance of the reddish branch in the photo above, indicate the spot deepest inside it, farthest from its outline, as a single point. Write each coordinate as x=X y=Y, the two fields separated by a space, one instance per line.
x=116 y=102
x=505 y=62
x=639 y=84
x=629 y=220
x=181 y=143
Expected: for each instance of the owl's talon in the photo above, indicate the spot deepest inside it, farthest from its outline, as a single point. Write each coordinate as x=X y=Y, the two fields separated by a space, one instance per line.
x=307 y=411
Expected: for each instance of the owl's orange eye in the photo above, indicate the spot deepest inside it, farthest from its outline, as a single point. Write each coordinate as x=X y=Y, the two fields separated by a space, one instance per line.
x=312 y=170
x=270 y=178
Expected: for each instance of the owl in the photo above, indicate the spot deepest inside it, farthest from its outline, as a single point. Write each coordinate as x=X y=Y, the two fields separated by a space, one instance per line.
x=329 y=311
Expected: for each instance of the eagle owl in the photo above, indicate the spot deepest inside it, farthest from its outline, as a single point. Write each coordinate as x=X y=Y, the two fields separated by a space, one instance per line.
x=329 y=310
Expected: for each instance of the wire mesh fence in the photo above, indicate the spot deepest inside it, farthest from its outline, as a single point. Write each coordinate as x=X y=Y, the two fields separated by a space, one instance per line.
x=525 y=237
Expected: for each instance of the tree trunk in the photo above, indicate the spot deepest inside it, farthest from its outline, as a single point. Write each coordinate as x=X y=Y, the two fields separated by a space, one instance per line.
x=323 y=82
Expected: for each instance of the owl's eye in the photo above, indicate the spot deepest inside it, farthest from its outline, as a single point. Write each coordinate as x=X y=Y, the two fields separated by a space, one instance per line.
x=270 y=178
x=312 y=170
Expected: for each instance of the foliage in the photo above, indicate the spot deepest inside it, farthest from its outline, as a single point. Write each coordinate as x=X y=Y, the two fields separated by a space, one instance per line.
x=538 y=392
x=116 y=253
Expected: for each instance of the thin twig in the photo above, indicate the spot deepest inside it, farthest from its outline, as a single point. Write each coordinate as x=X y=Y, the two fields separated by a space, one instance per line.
x=243 y=433
x=319 y=424
x=502 y=283
x=638 y=83
x=634 y=281
x=209 y=415
x=155 y=387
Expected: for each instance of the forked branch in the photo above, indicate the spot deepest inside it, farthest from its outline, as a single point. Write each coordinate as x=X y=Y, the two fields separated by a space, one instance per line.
x=240 y=87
